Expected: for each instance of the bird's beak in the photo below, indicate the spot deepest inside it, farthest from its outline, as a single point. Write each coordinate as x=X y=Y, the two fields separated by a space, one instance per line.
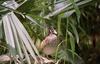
x=52 y=30
x=55 y=32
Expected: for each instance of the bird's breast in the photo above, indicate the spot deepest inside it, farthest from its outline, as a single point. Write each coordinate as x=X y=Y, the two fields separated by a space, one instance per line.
x=49 y=50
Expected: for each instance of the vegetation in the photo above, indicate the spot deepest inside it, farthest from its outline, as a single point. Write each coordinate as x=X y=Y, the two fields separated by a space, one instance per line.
x=24 y=24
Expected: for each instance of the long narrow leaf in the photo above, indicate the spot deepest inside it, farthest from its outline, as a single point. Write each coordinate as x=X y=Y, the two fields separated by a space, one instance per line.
x=1 y=30
x=75 y=32
x=65 y=8
x=33 y=21
x=72 y=43
x=9 y=35
x=24 y=36
x=59 y=25
x=76 y=9
x=25 y=52
x=17 y=43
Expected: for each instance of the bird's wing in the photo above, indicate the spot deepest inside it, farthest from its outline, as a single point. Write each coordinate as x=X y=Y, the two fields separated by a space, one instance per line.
x=51 y=39
x=44 y=42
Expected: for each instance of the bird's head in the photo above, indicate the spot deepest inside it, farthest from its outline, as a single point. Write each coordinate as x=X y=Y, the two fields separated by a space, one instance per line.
x=52 y=30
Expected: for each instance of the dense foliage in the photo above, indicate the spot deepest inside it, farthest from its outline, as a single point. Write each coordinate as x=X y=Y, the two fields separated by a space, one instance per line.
x=24 y=24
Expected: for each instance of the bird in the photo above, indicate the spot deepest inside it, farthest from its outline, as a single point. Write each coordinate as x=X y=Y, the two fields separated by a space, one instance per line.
x=49 y=43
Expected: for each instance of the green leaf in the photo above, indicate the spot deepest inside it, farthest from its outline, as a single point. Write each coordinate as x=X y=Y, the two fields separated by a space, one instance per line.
x=1 y=30
x=33 y=21
x=75 y=32
x=59 y=25
x=72 y=42
x=26 y=6
x=76 y=9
